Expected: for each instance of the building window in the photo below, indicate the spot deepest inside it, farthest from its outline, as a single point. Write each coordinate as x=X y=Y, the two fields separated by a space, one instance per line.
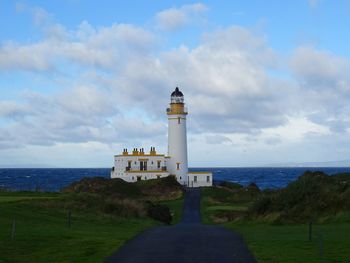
x=158 y=164
x=195 y=178
x=178 y=120
x=152 y=162
x=143 y=165
x=133 y=178
x=180 y=177
x=178 y=166
x=208 y=179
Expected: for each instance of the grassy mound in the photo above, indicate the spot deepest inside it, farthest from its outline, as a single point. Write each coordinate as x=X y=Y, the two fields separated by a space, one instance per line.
x=313 y=195
x=227 y=202
x=166 y=188
x=158 y=189
x=120 y=198
x=105 y=187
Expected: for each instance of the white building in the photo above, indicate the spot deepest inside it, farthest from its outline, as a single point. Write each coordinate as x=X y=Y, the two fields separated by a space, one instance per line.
x=138 y=165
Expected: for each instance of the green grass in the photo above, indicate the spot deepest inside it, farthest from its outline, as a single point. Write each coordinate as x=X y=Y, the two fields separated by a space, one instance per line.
x=42 y=234
x=289 y=243
x=227 y=208
x=175 y=207
x=279 y=243
x=216 y=201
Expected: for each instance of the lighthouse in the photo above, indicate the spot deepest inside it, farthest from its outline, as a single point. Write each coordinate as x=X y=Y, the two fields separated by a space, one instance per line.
x=177 y=137
x=138 y=164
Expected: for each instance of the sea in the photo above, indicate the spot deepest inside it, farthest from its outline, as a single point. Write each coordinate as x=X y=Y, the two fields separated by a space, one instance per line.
x=54 y=179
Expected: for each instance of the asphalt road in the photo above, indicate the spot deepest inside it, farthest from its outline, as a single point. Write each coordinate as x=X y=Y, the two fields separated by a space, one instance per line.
x=188 y=241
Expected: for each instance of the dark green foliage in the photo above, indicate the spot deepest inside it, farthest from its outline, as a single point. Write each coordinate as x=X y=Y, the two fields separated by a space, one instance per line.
x=230 y=185
x=342 y=177
x=227 y=193
x=220 y=194
x=314 y=194
x=159 y=212
x=253 y=187
x=104 y=186
x=119 y=198
x=261 y=205
x=166 y=188
x=157 y=189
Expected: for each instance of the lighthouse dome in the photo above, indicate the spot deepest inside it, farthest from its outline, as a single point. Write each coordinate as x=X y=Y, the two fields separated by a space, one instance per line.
x=177 y=96
x=177 y=93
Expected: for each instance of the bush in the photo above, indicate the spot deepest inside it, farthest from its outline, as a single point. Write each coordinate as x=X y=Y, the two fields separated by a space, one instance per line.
x=166 y=188
x=159 y=212
x=104 y=186
x=231 y=185
x=253 y=187
x=314 y=194
x=261 y=205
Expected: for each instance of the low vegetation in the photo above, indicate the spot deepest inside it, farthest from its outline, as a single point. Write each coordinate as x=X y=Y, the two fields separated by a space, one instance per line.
x=86 y=222
x=314 y=196
x=275 y=223
x=115 y=196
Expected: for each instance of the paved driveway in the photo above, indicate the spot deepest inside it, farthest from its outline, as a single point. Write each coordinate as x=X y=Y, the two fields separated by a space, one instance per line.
x=188 y=241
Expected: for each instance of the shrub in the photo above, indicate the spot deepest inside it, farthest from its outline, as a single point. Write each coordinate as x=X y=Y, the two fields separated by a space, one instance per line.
x=314 y=194
x=261 y=205
x=159 y=212
x=231 y=185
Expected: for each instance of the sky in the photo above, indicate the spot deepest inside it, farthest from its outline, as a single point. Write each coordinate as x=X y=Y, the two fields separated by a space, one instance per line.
x=265 y=82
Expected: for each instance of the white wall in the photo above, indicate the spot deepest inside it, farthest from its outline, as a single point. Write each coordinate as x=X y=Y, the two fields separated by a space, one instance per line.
x=177 y=147
x=121 y=162
x=132 y=177
x=200 y=179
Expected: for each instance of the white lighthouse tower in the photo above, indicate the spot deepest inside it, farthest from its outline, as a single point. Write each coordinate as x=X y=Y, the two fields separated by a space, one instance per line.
x=177 y=138
x=139 y=165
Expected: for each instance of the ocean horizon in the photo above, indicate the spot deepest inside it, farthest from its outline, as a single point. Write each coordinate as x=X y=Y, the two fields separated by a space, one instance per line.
x=54 y=179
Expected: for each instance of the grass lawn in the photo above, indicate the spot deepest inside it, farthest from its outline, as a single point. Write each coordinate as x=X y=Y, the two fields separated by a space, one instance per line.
x=289 y=243
x=215 y=201
x=42 y=234
x=175 y=207
x=227 y=208
x=280 y=243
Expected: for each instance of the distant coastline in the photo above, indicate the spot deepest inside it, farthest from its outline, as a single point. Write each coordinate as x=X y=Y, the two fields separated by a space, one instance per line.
x=341 y=163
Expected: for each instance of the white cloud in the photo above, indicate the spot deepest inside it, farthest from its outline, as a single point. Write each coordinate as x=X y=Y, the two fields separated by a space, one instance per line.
x=320 y=69
x=225 y=80
x=296 y=129
x=217 y=139
x=114 y=84
x=105 y=47
x=324 y=85
x=41 y=16
x=175 y=18
x=10 y=109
